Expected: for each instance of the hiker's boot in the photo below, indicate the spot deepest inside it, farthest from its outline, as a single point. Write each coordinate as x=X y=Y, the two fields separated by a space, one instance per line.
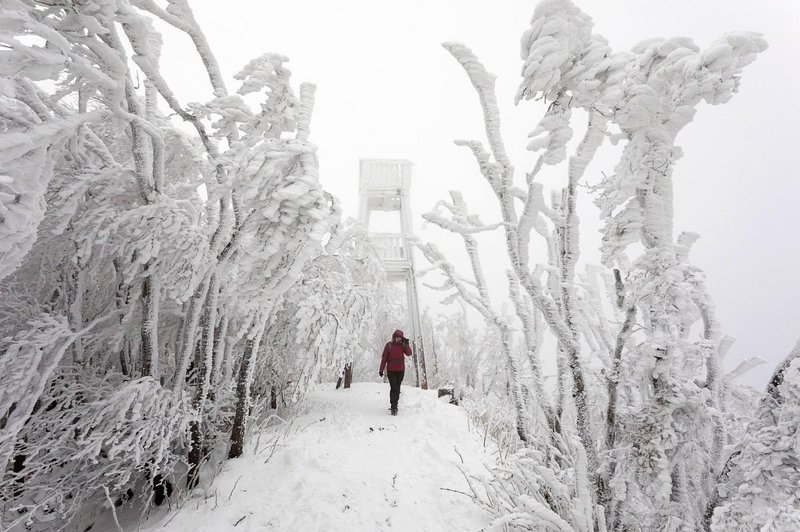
x=394 y=410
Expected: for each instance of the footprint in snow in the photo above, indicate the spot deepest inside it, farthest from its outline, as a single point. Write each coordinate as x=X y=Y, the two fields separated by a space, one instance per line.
x=392 y=501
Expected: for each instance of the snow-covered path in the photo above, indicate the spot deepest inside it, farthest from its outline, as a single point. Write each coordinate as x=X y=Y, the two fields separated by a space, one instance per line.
x=349 y=466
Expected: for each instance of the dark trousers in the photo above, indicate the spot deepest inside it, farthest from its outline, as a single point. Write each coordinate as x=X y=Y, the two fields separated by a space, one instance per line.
x=395 y=378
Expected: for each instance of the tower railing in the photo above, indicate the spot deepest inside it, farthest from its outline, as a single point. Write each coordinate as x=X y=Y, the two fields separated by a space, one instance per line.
x=390 y=246
x=385 y=173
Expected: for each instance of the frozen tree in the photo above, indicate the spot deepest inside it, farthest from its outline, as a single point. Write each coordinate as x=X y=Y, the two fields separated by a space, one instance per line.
x=649 y=456
x=557 y=307
x=674 y=435
x=61 y=268
x=553 y=304
x=281 y=213
x=128 y=302
x=478 y=299
x=460 y=353
x=328 y=318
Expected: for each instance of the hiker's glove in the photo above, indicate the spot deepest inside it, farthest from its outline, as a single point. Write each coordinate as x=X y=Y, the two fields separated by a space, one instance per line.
x=380 y=374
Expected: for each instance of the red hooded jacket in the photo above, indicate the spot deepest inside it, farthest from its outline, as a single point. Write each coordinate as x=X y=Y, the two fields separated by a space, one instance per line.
x=394 y=354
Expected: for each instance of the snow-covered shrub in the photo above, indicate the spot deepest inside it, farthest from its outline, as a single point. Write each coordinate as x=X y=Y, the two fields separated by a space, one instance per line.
x=538 y=487
x=329 y=318
x=492 y=417
x=89 y=435
x=464 y=356
x=759 y=482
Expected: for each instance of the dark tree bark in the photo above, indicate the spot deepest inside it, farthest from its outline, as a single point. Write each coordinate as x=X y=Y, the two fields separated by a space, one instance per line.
x=195 y=455
x=348 y=374
x=613 y=379
x=243 y=395
x=150 y=327
x=773 y=387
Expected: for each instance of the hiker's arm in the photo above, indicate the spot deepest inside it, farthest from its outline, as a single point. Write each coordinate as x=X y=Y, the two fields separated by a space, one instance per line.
x=384 y=357
x=407 y=349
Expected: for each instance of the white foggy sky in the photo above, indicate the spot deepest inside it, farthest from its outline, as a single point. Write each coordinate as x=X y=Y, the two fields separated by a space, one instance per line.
x=386 y=89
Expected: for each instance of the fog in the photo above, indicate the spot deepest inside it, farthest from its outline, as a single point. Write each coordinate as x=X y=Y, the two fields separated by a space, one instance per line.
x=386 y=89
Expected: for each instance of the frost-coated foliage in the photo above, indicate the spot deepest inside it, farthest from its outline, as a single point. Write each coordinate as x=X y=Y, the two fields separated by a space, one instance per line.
x=761 y=477
x=329 y=318
x=90 y=433
x=461 y=356
x=633 y=436
x=128 y=304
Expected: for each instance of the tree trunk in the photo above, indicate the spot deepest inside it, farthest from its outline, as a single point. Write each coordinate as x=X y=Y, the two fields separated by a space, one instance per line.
x=150 y=301
x=195 y=455
x=613 y=379
x=76 y=316
x=415 y=361
x=435 y=358
x=202 y=361
x=243 y=383
x=515 y=385
x=348 y=374
x=189 y=333
x=17 y=466
x=220 y=352
x=423 y=372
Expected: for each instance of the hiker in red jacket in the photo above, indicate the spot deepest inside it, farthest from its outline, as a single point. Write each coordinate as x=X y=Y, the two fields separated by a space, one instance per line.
x=393 y=361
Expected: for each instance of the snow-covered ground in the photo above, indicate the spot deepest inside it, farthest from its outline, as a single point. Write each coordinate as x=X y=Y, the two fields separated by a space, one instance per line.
x=347 y=465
